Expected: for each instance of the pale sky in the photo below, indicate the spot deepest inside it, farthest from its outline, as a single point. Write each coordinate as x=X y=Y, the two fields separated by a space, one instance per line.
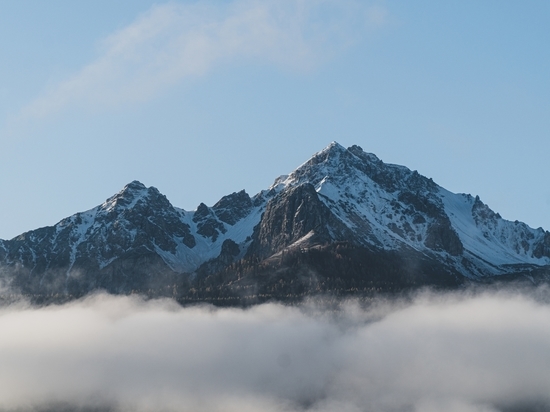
x=204 y=98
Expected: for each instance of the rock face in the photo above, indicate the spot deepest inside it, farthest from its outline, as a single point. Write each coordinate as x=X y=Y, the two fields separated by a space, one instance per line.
x=295 y=215
x=234 y=207
x=343 y=221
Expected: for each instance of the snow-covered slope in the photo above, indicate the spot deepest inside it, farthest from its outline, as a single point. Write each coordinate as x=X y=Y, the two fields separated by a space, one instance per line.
x=487 y=236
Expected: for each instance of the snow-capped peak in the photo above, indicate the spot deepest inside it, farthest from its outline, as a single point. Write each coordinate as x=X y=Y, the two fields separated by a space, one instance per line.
x=127 y=197
x=333 y=146
x=392 y=206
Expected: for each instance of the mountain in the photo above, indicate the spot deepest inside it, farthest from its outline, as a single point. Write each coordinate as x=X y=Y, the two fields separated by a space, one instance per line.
x=343 y=222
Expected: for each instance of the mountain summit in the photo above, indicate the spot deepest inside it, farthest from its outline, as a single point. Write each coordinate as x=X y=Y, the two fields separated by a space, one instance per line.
x=342 y=222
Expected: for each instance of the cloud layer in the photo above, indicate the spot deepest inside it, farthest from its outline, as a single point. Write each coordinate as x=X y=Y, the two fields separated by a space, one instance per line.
x=452 y=353
x=175 y=41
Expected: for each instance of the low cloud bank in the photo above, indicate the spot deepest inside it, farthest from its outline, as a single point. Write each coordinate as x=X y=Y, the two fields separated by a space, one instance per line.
x=484 y=352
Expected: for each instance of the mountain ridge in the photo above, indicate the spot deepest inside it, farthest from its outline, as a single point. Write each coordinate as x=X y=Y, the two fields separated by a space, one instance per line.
x=137 y=241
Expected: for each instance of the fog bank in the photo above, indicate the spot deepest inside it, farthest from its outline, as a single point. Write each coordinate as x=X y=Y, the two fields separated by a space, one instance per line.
x=458 y=352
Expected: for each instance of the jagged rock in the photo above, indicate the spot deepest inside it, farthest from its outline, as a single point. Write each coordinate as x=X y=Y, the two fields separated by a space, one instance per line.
x=442 y=237
x=232 y=208
x=291 y=216
x=207 y=224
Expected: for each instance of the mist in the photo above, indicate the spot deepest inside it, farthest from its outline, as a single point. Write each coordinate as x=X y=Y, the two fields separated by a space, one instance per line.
x=434 y=352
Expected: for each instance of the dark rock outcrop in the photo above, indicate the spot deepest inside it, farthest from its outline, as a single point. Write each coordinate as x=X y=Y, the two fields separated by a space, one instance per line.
x=232 y=208
x=291 y=216
x=207 y=223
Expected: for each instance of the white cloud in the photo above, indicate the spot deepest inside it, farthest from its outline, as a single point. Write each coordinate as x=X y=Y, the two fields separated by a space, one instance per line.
x=174 y=41
x=455 y=353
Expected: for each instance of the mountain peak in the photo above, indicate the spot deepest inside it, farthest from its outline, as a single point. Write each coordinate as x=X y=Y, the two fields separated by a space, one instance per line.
x=134 y=185
x=333 y=149
x=127 y=197
x=334 y=146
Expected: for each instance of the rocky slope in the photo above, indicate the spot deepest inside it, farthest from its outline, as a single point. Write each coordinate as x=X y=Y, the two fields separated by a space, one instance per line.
x=342 y=221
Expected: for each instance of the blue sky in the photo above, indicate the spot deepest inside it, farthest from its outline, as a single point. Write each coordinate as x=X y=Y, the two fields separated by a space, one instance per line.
x=201 y=99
